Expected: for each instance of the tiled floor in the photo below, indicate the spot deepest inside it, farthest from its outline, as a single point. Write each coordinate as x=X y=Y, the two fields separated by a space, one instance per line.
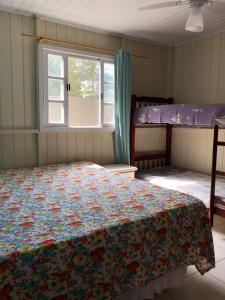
x=210 y=286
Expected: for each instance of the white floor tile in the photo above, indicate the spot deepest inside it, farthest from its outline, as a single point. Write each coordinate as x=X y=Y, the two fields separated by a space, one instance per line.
x=219 y=252
x=191 y=270
x=219 y=271
x=219 y=235
x=198 y=287
x=218 y=220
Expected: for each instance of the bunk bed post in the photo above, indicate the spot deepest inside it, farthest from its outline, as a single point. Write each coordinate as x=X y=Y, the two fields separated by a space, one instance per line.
x=168 y=143
x=213 y=174
x=132 y=130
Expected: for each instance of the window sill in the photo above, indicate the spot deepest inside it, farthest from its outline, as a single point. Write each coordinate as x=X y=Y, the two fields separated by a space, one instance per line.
x=76 y=129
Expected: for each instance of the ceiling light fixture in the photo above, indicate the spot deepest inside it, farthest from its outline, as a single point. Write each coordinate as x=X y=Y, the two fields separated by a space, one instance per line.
x=195 y=21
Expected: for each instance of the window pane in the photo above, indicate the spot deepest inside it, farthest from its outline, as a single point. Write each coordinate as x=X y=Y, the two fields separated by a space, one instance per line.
x=108 y=73
x=55 y=65
x=55 y=113
x=108 y=113
x=55 y=89
x=108 y=93
x=84 y=95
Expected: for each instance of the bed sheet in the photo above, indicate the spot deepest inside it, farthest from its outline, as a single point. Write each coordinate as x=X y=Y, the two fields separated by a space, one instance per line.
x=78 y=231
x=183 y=114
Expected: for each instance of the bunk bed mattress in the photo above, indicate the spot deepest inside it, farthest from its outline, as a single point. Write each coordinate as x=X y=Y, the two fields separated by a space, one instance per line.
x=78 y=231
x=185 y=181
x=183 y=114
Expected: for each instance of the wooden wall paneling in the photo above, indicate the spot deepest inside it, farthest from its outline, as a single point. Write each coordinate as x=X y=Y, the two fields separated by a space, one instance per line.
x=51 y=30
x=88 y=38
x=71 y=146
x=17 y=71
x=61 y=32
x=6 y=102
x=52 y=146
x=80 y=145
x=1 y=155
x=105 y=148
x=192 y=149
x=18 y=86
x=177 y=148
x=221 y=152
x=97 y=40
x=31 y=150
x=215 y=58
x=42 y=149
x=99 y=145
x=79 y=36
x=70 y=34
x=199 y=77
x=62 y=147
x=89 y=142
x=8 y=159
x=19 y=150
x=209 y=149
x=221 y=73
x=29 y=74
x=147 y=139
x=199 y=71
x=206 y=65
x=40 y=27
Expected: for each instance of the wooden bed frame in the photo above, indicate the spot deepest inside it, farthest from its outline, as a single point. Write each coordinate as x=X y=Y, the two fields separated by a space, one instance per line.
x=214 y=199
x=156 y=158
x=160 y=159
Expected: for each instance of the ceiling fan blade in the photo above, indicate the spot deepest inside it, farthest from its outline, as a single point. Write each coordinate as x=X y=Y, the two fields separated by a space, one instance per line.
x=216 y=8
x=158 y=5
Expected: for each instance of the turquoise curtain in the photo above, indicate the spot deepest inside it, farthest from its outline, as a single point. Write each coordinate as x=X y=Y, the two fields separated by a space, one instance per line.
x=122 y=106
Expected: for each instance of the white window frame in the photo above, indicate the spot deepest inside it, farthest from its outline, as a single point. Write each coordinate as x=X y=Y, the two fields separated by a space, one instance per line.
x=43 y=51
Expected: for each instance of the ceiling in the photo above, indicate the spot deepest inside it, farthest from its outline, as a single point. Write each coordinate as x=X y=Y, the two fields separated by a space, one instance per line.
x=162 y=26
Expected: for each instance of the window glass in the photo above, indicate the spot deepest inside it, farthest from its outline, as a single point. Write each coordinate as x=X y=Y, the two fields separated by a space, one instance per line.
x=55 y=89
x=109 y=83
x=55 y=65
x=84 y=94
x=55 y=113
x=109 y=113
x=78 y=90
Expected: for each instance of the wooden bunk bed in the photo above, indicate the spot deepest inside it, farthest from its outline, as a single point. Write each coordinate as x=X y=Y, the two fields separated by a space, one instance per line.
x=217 y=204
x=160 y=161
x=156 y=158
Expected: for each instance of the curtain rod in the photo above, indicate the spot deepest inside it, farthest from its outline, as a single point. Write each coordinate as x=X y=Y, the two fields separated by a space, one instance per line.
x=42 y=39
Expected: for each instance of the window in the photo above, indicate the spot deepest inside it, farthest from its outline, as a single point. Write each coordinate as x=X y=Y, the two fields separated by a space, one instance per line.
x=76 y=89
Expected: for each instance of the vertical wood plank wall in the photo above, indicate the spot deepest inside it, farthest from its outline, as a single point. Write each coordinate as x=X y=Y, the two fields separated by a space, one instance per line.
x=198 y=77
x=18 y=90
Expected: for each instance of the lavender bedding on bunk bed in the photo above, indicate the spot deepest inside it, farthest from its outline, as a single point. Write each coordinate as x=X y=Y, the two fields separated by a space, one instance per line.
x=185 y=114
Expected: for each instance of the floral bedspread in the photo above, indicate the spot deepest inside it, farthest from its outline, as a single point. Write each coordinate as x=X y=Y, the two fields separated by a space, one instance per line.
x=78 y=231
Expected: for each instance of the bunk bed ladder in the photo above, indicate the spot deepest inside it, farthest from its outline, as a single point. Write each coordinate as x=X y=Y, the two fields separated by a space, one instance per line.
x=215 y=172
x=132 y=131
x=168 y=144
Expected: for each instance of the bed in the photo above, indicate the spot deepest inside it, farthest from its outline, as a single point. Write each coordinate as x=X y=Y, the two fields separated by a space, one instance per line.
x=182 y=114
x=161 y=112
x=78 y=231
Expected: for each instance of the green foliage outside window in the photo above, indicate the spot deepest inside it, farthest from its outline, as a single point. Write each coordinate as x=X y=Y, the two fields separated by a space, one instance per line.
x=83 y=77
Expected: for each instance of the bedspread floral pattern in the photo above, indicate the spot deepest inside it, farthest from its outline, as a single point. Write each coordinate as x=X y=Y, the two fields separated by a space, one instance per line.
x=78 y=231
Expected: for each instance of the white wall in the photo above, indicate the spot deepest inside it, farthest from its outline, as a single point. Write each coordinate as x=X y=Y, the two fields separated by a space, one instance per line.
x=198 y=77
x=18 y=86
